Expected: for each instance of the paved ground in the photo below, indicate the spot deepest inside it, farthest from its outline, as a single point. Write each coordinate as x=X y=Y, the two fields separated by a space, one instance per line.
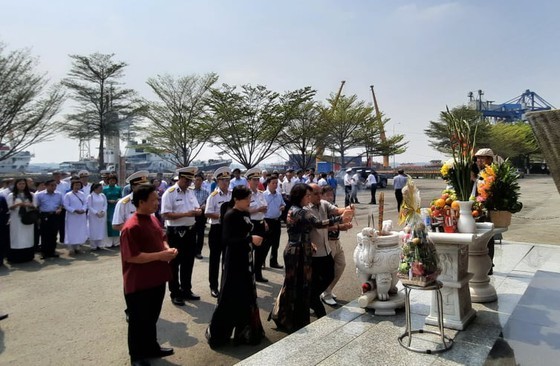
x=69 y=311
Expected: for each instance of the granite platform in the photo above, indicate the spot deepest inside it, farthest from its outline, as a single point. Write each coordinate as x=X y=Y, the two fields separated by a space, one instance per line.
x=521 y=328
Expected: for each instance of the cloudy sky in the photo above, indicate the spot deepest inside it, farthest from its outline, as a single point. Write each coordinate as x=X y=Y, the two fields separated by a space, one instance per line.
x=421 y=56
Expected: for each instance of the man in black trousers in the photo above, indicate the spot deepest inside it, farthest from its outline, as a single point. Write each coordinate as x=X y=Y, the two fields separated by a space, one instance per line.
x=49 y=203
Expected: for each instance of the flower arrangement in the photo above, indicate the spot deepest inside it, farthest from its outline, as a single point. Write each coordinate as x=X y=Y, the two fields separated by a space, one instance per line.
x=457 y=170
x=419 y=260
x=498 y=189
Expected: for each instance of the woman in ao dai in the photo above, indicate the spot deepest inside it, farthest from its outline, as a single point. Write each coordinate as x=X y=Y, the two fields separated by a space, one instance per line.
x=21 y=236
x=75 y=203
x=97 y=210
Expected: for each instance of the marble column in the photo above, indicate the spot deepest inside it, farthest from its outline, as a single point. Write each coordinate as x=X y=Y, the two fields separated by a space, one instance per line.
x=453 y=251
x=480 y=263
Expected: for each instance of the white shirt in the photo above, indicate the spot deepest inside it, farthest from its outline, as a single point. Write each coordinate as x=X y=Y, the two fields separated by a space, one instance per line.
x=124 y=209
x=371 y=179
x=347 y=179
x=214 y=202
x=322 y=182
x=63 y=187
x=287 y=185
x=355 y=179
x=175 y=200
x=257 y=200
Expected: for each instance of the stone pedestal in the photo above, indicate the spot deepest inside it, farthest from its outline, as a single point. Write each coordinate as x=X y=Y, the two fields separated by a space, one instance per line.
x=480 y=263
x=453 y=251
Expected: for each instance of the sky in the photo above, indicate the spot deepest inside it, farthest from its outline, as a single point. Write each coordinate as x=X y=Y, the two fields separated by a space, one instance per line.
x=421 y=56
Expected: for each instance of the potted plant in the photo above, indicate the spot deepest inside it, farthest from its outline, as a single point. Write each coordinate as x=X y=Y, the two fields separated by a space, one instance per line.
x=499 y=192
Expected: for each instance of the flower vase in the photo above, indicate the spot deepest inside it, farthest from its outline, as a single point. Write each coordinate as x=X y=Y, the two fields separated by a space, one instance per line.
x=466 y=223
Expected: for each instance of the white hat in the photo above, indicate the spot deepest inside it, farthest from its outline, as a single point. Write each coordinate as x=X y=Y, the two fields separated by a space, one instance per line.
x=349 y=170
x=83 y=173
x=485 y=152
x=222 y=172
x=187 y=172
x=253 y=173
x=138 y=177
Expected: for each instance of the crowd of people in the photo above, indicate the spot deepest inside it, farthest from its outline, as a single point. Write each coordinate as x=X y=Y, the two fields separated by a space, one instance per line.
x=160 y=228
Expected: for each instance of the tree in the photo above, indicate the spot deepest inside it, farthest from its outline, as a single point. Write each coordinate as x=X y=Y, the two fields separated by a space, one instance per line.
x=515 y=141
x=179 y=128
x=248 y=122
x=27 y=106
x=303 y=134
x=103 y=105
x=374 y=146
x=345 y=121
x=438 y=130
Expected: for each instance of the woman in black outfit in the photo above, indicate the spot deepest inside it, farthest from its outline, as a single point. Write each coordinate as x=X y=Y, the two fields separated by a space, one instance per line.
x=237 y=304
x=291 y=310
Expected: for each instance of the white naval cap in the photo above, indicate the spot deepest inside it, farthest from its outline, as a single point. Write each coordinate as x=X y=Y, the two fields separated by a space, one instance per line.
x=138 y=177
x=349 y=170
x=222 y=172
x=253 y=173
x=187 y=172
x=83 y=173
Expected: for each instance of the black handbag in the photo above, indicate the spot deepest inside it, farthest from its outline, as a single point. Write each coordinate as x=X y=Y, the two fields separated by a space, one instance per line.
x=28 y=216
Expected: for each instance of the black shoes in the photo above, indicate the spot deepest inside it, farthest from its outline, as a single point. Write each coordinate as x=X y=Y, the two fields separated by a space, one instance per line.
x=178 y=301
x=190 y=296
x=261 y=279
x=3 y=316
x=275 y=265
x=214 y=292
x=199 y=256
x=53 y=255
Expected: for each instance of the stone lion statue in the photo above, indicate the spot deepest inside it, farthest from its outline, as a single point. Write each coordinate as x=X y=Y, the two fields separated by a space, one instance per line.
x=377 y=258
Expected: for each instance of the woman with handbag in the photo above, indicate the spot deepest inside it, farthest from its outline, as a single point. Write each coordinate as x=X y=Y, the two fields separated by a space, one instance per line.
x=75 y=204
x=21 y=234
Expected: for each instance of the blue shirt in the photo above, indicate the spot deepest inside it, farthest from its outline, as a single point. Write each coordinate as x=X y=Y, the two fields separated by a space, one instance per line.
x=201 y=195
x=331 y=181
x=48 y=202
x=274 y=201
x=237 y=182
x=399 y=181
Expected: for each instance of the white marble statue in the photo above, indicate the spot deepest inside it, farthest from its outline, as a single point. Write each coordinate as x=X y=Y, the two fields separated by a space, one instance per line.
x=377 y=259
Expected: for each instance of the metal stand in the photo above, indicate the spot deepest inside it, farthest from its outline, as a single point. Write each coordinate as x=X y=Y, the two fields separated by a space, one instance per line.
x=446 y=341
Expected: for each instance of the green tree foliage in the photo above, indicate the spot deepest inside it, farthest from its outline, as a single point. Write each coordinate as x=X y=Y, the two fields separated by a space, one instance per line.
x=103 y=106
x=515 y=141
x=303 y=134
x=178 y=128
x=373 y=145
x=27 y=106
x=345 y=120
x=247 y=122
x=438 y=134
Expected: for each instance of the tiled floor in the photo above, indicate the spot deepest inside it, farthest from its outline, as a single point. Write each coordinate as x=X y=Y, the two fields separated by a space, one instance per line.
x=530 y=324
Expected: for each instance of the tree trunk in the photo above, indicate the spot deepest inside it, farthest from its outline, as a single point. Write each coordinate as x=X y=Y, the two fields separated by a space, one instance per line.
x=101 y=158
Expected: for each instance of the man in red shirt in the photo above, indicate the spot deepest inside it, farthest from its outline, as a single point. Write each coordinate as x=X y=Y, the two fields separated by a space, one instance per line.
x=145 y=259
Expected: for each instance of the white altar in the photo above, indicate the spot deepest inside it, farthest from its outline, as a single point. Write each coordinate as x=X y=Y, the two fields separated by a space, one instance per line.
x=465 y=265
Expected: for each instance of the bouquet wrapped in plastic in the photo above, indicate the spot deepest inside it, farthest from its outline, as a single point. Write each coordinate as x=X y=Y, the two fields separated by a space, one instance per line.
x=419 y=260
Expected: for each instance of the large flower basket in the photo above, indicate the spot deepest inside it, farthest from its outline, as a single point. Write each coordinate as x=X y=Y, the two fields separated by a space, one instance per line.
x=500 y=218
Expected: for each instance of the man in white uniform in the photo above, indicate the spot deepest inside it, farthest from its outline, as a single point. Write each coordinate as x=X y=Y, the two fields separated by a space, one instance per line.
x=257 y=209
x=179 y=207
x=124 y=207
x=212 y=211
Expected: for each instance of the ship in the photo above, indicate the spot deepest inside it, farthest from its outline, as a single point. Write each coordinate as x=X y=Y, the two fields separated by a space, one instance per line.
x=138 y=157
x=17 y=163
x=89 y=164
